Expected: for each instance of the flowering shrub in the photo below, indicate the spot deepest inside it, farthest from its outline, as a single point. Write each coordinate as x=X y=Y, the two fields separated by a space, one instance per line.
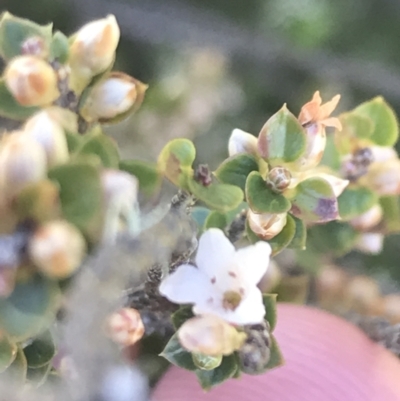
x=197 y=265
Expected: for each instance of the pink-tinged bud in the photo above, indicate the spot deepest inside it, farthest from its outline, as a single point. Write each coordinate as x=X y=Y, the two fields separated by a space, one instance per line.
x=22 y=161
x=125 y=327
x=210 y=335
x=242 y=142
x=93 y=47
x=371 y=243
x=31 y=80
x=266 y=225
x=50 y=135
x=369 y=219
x=384 y=177
x=113 y=98
x=57 y=249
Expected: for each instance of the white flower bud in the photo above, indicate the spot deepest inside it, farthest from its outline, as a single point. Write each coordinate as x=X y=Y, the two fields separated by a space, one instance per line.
x=93 y=47
x=113 y=97
x=242 y=142
x=48 y=133
x=266 y=225
x=125 y=327
x=382 y=153
x=31 y=80
x=371 y=243
x=22 y=161
x=210 y=335
x=57 y=249
x=368 y=219
x=384 y=177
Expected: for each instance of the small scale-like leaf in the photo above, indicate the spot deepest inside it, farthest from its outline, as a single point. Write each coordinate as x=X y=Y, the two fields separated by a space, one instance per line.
x=10 y=108
x=285 y=237
x=261 y=198
x=269 y=301
x=220 y=197
x=15 y=31
x=300 y=237
x=30 y=308
x=276 y=358
x=386 y=130
x=8 y=352
x=102 y=146
x=206 y=362
x=175 y=354
x=355 y=201
x=235 y=169
x=216 y=220
x=199 y=215
x=293 y=289
x=181 y=315
x=391 y=213
x=225 y=371
x=146 y=173
x=59 y=48
x=282 y=139
x=40 y=351
x=314 y=201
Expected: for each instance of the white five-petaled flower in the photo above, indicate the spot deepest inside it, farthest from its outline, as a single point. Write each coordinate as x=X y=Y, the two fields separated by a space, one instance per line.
x=225 y=280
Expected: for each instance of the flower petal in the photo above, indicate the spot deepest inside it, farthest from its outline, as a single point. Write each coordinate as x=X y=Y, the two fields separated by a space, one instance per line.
x=186 y=285
x=242 y=142
x=215 y=252
x=253 y=261
x=327 y=108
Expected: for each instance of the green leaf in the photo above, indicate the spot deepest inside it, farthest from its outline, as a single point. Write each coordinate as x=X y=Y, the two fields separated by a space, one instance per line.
x=199 y=215
x=220 y=197
x=147 y=174
x=210 y=378
x=37 y=376
x=293 y=289
x=391 y=213
x=269 y=301
x=8 y=352
x=17 y=370
x=276 y=358
x=181 y=315
x=206 y=362
x=174 y=353
x=30 y=308
x=102 y=146
x=41 y=351
x=15 y=31
x=282 y=139
x=80 y=192
x=74 y=141
x=216 y=220
x=355 y=201
x=300 y=237
x=176 y=159
x=262 y=199
x=10 y=108
x=314 y=201
x=356 y=125
x=236 y=169
x=59 y=48
x=332 y=157
x=285 y=237
x=385 y=131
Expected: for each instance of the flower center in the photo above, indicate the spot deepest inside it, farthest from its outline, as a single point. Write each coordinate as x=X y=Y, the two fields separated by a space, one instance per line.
x=231 y=300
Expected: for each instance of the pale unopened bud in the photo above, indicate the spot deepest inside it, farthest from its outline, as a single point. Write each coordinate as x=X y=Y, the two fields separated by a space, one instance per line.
x=242 y=142
x=278 y=179
x=57 y=249
x=384 y=177
x=210 y=335
x=93 y=47
x=362 y=294
x=371 y=243
x=113 y=97
x=266 y=225
x=382 y=153
x=119 y=187
x=50 y=135
x=368 y=219
x=22 y=161
x=125 y=327
x=31 y=80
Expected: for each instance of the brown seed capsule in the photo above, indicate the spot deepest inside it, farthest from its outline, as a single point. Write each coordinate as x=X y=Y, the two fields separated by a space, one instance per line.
x=57 y=249
x=278 y=179
x=125 y=327
x=31 y=80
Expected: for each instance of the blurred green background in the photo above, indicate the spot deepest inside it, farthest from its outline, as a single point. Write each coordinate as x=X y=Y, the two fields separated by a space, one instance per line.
x=214 y=65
